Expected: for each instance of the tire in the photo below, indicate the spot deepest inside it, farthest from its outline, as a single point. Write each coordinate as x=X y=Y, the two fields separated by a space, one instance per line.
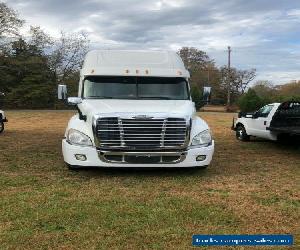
x=1 y=127
x=241 y=133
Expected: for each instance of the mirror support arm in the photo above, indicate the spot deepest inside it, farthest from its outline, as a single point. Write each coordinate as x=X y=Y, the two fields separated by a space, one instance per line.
x=65 y=101
x=81 y=116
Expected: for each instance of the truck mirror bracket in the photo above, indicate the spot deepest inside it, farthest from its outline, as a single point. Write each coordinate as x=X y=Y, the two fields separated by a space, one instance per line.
x=81 y=116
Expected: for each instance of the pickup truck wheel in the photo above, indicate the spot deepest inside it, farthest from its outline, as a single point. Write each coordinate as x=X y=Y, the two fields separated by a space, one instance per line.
x=1 y=127
x=241 y=133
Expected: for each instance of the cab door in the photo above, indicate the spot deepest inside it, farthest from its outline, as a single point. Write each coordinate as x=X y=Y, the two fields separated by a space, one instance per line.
x=260 y=121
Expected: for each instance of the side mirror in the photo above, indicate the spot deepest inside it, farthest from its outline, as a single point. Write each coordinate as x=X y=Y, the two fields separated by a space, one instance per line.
x=255 y=115
x=74 y=101
x=62 y=92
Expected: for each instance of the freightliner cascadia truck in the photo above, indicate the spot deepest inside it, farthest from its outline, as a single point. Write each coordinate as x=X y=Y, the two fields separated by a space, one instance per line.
x=134 y=110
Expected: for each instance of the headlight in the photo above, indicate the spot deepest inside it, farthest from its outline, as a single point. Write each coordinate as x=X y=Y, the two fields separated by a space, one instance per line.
x=77 y=138
x=202 y=139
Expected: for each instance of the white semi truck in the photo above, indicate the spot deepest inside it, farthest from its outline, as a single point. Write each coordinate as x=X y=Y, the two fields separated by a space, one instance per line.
x=273 y=121
x=135 y=110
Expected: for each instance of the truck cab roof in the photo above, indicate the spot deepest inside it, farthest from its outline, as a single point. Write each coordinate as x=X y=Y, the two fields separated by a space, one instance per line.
x=134 y=63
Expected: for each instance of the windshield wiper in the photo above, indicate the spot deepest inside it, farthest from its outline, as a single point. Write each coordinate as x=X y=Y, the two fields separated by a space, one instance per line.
x=130 y=98
x=100 y=97
x=156 y=97
x=111 y=97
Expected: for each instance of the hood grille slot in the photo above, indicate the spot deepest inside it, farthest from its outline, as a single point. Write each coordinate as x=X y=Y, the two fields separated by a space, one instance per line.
x=115 y=132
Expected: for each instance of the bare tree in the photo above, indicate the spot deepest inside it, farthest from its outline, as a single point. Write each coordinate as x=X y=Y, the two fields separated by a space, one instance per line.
x=242 y=78
x=67 y=56
x=238 y=80
x=39 y=40
x=9 y=21
x=9 y=27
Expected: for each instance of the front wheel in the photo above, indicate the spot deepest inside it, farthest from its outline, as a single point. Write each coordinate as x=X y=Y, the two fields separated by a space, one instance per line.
x=241 y=133
x=1 y=127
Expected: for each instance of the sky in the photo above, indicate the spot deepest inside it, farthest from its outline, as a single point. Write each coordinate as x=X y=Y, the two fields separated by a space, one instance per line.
x=263 y=34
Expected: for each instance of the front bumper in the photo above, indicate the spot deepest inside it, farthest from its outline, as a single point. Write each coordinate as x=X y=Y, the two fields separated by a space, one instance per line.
x=93 y=158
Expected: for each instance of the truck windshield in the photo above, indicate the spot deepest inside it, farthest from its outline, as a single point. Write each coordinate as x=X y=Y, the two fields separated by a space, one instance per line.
x=165 y=88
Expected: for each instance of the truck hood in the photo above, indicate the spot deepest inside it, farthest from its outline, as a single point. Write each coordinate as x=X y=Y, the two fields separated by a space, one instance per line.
x=177 y=108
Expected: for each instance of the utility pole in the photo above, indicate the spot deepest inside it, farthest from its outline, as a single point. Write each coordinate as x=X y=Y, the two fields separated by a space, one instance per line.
x=228 y=79
x=207 y=75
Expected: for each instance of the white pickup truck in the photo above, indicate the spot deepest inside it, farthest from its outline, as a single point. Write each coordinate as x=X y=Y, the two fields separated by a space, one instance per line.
x=135 y=110
x=2 y=121
x=272 y=122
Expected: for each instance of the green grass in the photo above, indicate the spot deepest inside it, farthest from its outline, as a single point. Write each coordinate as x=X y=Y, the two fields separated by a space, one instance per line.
x=123 y=211
x=250 y=188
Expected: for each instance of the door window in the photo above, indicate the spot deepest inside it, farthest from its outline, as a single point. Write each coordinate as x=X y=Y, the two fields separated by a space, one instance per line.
x=265 y=111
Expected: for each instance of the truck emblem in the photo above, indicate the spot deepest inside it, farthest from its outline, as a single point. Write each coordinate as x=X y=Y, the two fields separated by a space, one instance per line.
x=142 y=117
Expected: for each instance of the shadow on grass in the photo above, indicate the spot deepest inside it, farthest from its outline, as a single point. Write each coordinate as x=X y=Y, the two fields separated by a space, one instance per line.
x=287 y=143
x=140 y=171
x=7 y=132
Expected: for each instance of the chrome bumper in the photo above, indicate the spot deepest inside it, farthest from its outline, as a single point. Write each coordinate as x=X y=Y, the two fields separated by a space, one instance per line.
x=179 y=156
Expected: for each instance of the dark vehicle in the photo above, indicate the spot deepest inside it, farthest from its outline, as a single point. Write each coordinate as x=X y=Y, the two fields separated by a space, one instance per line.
x=286 y=119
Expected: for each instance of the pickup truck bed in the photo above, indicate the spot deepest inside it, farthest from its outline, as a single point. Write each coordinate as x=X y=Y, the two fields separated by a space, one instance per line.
x=286 y=120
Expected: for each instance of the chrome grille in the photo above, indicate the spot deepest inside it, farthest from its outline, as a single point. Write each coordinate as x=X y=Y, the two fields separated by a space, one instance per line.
x=115 y=132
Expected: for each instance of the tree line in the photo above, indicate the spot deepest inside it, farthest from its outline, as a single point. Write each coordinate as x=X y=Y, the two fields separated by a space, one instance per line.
x=32 y=65
x=227 y=84
x=230 y=86
x=264 y=92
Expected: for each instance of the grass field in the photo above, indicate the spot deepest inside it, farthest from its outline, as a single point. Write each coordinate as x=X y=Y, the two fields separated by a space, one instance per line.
x=250 y=188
